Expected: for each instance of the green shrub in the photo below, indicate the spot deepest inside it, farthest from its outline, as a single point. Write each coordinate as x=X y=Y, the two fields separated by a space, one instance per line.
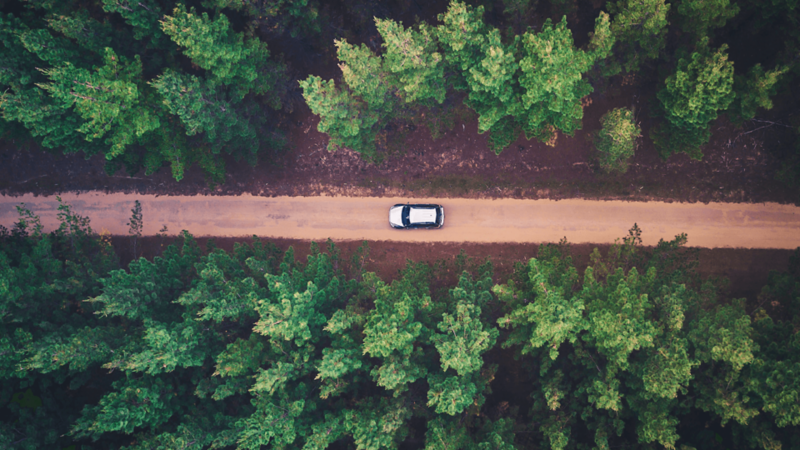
x=616 y=141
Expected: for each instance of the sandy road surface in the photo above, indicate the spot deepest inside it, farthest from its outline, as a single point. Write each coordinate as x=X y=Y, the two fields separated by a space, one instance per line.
x=467 y=220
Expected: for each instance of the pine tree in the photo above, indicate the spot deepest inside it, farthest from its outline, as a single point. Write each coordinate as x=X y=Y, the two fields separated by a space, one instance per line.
x=533 y=84
x=552 y=79
x=241 y=65
x=108 y=101
x=143 y=16
x=352 y=116
x=640 y=29
x=76 y=83
x=344 y=118
x=414 y=59
x=754 y=91
x=700 y=88
x=700 y=16
x=462 y=35
x=205 y=111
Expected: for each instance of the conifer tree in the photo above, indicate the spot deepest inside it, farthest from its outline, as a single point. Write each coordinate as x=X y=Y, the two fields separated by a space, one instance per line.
x=353 y=115
x=461 y=35
x=700 y=16
x=533 y=84
x=202 y=110
x=701 y=87
x=640 y=29
x=344 y=118
x=754 y=91
x=241 y=65
x=414 y=59
x=143 y=16
x=109 y=101
x=552 y=71
x=76 y=83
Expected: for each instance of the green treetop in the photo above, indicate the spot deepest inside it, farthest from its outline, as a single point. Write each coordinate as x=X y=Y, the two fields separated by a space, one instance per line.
x=461 y=35
x=108 y=101
x=353 y=114
x=533 y=84
x=640 y=346
x=76 y=83
x=347 y=120
x=616 y=140
x=754 y=91
x=486 y=68
x=394 y=334
x=414 y=59
x=143 y=16
x=640 y=29
x=465 y=336
x=242 y=65
x=552 y=77
x=693 y=96
x=700 y=16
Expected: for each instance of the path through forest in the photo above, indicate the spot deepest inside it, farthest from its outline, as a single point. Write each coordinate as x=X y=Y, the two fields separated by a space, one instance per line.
x=713 y=225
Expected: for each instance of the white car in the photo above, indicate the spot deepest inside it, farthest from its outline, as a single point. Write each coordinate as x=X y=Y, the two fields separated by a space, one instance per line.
x=416 y=216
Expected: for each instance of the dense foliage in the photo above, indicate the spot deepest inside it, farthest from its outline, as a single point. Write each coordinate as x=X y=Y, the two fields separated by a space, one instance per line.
x=157 y=83
x=533 y=84
x=532 y=78
x=146 y=84
x=254 y=349
x=700 y=88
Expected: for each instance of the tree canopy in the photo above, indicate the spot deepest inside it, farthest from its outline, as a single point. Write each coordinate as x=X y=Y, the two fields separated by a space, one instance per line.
x=693 y=96
x=77 y=83
x=154 y=84
x=253 y=348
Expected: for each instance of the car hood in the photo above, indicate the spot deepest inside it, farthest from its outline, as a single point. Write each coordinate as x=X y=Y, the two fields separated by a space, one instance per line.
x=396 y=216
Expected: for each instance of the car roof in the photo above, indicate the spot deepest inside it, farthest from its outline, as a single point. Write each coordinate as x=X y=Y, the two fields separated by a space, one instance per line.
x=424 y=214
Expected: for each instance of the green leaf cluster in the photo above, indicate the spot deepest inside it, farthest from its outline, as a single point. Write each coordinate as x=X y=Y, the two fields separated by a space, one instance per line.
x=111 y=77
x=700 y=88
x=533 y=83
x=700 y=16
x=616 y=140
x=640 y=29
x=628 y=349
x=754 y=91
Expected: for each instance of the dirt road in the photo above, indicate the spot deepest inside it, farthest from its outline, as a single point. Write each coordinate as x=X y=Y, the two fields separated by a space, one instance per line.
x=467 y=220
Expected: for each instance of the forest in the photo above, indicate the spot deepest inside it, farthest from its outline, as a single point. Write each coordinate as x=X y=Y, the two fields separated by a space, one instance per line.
x=153 y=84
x=202 y=348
